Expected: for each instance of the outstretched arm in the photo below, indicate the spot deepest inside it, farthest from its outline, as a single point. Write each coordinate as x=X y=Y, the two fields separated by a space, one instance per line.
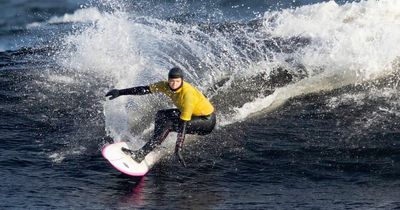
x=139 y=90
x=179 y=141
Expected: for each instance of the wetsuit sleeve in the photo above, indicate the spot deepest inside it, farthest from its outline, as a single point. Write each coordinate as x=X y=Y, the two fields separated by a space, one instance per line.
x=140 y=90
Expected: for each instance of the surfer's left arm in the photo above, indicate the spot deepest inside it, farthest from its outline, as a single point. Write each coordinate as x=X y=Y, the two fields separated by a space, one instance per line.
x=180 y=140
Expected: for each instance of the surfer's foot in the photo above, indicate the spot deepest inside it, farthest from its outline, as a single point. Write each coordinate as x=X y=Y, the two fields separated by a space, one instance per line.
x=137 y=155
x=127 y=151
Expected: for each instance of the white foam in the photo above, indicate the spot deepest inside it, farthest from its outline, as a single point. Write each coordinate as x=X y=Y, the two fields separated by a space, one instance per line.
x=34 y=25
x=346 y=99
x=351 y=43
x=81 y=15
x=110 y=48
x=59 y=157
x=91 y=14
x=356 y=36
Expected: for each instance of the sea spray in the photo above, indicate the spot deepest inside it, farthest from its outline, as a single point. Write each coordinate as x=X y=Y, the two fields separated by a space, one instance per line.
x=333 y=45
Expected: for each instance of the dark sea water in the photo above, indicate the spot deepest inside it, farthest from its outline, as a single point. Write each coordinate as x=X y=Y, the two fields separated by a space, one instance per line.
x=306 y=92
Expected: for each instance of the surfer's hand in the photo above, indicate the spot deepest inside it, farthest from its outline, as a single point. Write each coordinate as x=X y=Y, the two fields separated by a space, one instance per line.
x=113 y=93
x=178 y=155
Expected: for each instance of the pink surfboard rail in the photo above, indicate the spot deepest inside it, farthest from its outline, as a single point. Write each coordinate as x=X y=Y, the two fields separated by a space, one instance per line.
x=124 y=163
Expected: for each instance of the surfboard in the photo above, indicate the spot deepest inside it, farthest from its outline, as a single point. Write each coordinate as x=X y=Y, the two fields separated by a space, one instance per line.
x=125 y=164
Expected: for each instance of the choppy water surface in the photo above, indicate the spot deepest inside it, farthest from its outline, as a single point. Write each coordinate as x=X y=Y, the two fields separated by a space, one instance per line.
x=306 y=92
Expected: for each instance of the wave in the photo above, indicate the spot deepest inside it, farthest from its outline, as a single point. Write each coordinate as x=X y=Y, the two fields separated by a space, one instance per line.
x=319 y=47
x=349 y=44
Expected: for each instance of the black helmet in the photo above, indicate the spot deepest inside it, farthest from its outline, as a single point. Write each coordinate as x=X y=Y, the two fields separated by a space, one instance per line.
x=175 y=72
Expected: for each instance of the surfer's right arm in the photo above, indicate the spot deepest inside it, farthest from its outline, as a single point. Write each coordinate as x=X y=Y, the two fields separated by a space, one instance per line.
x=139 y=90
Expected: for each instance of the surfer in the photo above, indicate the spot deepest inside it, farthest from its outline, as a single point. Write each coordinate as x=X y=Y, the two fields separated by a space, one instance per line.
x=194 y=113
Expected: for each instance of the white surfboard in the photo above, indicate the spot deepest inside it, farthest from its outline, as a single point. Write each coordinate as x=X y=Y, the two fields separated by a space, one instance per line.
x=125 y=164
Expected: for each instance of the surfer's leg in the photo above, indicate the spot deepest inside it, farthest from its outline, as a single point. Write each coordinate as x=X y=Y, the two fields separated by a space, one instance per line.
x=164 y=123
x=201 y=125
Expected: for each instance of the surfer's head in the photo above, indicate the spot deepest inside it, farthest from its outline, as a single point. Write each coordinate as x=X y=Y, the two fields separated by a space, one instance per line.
x=175 y=78
x=175 y=72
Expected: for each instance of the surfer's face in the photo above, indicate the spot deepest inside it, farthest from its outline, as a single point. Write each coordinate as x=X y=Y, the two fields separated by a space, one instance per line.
x=174 y=83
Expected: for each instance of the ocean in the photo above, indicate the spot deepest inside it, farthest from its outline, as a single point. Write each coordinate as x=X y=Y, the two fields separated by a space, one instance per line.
x=306 y=95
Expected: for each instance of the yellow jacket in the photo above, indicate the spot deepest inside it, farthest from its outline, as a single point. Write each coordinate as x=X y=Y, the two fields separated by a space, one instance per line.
x=188 y=99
